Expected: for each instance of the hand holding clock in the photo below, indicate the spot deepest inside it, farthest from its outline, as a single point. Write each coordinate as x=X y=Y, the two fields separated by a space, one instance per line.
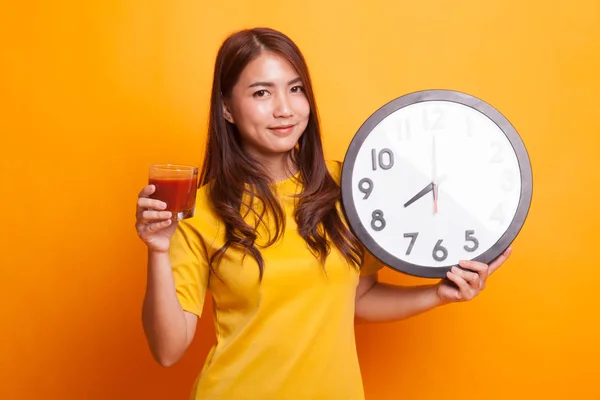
x=465 y=283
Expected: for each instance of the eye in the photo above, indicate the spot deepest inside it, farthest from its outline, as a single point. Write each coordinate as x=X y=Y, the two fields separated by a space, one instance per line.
x=298 y=89
x=260 y=93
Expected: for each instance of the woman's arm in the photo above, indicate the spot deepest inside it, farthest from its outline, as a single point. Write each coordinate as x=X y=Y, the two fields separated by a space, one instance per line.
x=379 y=302
x=168 y=328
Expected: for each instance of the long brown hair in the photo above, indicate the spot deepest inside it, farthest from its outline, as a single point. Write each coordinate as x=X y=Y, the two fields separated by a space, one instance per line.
x=232 y=173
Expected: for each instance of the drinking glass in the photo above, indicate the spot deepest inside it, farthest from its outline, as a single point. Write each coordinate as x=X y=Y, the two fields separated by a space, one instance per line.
x=176 y=185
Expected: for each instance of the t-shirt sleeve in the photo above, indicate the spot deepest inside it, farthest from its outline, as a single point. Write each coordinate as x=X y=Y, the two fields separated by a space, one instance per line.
x=370 y=264
x=190 y=268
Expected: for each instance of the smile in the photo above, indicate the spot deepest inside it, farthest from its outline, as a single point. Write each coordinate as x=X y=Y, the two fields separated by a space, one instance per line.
x=282 y=130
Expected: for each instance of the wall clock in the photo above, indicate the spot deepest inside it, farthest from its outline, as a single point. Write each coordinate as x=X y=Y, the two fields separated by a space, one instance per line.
x=434 y=177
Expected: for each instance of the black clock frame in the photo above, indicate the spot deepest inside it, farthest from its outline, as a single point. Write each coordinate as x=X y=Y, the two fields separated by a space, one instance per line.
x=383 y=112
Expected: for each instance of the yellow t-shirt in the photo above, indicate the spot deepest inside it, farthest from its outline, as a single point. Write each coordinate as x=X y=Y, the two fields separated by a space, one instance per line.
x=288 y=337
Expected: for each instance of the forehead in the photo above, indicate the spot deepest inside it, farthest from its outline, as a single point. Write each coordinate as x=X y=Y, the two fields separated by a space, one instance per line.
x=268 y=67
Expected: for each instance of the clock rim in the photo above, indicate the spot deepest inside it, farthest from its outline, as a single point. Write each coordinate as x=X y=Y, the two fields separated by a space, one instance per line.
x=394 y=105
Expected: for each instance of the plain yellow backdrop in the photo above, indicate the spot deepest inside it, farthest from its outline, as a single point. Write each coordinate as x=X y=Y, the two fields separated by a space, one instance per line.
x=93 y=92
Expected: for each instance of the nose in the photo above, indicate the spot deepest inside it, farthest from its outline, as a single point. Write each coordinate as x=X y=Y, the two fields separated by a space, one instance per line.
x=282 y=107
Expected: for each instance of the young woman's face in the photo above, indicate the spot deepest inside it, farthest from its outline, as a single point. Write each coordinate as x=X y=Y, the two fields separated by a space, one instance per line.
x=268 y=106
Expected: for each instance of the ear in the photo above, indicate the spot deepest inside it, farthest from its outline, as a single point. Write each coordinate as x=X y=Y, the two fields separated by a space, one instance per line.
x=227 y=113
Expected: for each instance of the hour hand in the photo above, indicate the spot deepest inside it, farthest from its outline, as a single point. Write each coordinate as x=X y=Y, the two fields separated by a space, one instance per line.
x=417 y=196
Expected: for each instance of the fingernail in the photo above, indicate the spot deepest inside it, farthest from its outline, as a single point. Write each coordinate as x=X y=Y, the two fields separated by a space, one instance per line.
x=163 y=205
x=462 y=263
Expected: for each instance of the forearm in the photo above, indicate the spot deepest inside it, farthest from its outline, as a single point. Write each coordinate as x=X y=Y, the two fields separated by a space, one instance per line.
x=384 y=302
x=163 y=318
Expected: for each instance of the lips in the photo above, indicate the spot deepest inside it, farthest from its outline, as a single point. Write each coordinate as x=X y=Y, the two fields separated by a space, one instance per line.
x=281 y=126
x=282 y=129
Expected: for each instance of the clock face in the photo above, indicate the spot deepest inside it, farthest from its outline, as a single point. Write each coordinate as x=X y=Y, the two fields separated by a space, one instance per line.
x=436 y=177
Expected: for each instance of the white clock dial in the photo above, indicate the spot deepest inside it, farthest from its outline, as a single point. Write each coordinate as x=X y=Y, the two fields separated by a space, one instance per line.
x=478 y=182
x=432 y=183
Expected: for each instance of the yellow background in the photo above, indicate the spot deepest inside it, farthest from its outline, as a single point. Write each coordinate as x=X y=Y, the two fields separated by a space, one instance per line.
x=92 y=92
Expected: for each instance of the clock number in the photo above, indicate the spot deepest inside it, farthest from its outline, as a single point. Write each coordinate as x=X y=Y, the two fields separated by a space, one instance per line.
x=413 y=239
x=374 y=159
x=366 y=190
x=497 y=157
x=470 y=238
x=509 y=181
x=498 y=214
x=437 y=122
x=404 y=131
x=379 y=159
x=377 y=223
x=439 y=248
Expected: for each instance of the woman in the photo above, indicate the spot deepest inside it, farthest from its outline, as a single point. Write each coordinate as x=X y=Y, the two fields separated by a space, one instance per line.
x=268 y=239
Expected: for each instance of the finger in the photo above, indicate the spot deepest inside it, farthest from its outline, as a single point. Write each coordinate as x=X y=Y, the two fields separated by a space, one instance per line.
x=471 y=277
x=157 y=226
x=463 y=286
x=153 y=216
x=500 y=260
x=147 y=191
x=480 y=268
x=474 y=265
x=145 y=203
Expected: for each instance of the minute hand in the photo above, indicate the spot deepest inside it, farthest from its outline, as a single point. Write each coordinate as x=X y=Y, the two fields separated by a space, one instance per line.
x=434 y=175
x=434 y=172
x=422 y=193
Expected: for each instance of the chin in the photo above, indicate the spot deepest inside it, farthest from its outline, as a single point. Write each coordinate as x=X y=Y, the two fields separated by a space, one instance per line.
x=282 y=146
x=280 y=149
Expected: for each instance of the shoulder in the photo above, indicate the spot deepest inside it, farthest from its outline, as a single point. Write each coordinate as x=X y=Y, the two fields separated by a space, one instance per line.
x=205 y=221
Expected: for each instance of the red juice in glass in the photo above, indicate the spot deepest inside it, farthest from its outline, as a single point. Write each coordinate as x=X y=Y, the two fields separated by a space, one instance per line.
x=176 y=185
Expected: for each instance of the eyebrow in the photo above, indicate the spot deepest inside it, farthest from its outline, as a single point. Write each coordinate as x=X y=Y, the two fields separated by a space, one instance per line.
x=271 y=84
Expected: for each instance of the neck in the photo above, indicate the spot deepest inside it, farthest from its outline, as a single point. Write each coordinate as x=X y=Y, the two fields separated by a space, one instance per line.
x=279 y=166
